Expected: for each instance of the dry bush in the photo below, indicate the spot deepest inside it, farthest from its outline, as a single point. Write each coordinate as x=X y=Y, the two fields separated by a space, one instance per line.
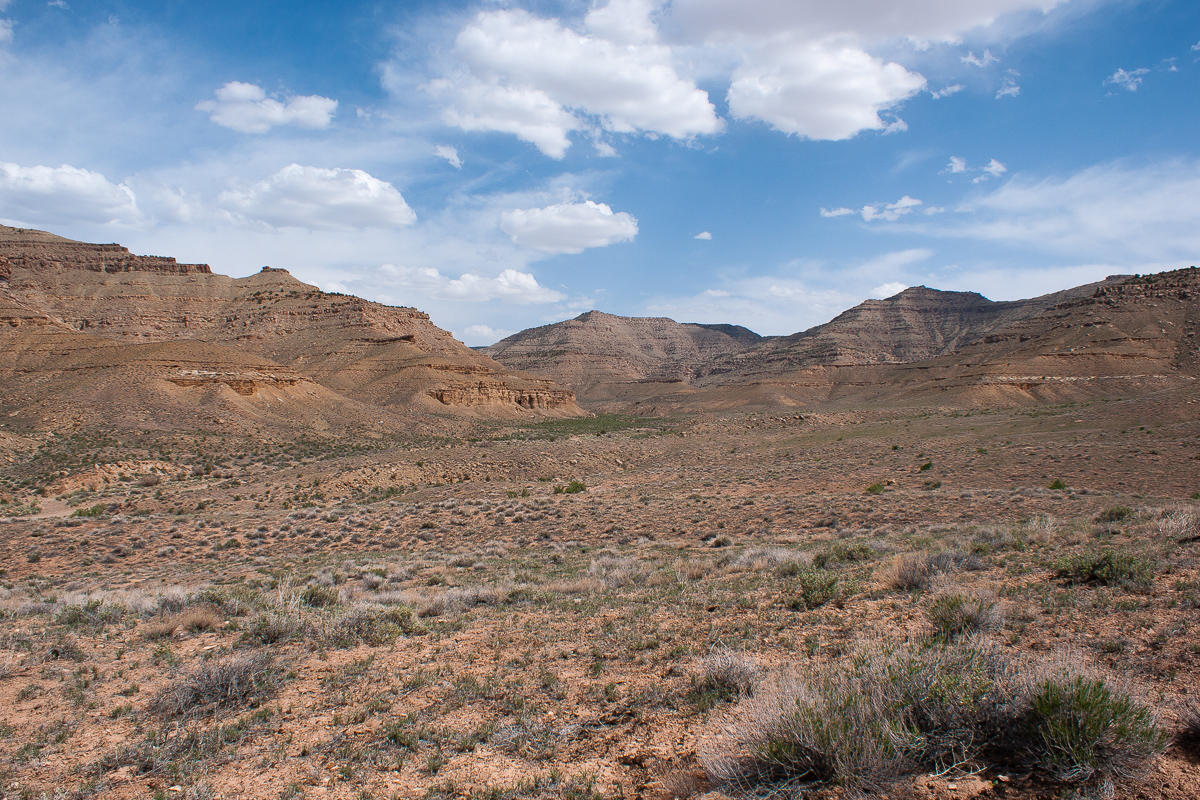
x=1180 y=525
x=693 y=569
x=890 y=709
x=955 y=615
x=723 y=676
x=918 y=570
x=273 y=627
x=371 y=625
x=229 y=683
x=760 y=559
x=617 y=572
x=1187 y=733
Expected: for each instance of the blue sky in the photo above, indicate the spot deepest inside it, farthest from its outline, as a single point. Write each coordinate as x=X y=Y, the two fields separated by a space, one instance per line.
x=507 y=164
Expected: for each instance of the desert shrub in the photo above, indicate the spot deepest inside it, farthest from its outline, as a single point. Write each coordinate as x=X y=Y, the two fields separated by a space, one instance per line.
x=840 y=553
x=723 y=676
x=316 y=596
x=617 y=571
x=1114 y=514
x=1078 y=728
x=93 y=614
x=887 y=709
x=372 y=625
x=1109 y=567
x=953 y=615
x=229 y=683
x=574 y=487
x=875 y=488
x=1187 y=734
x=1180 y=526
x=272 y=627
x=812 y=589
x=917 y=570
x=890 y=709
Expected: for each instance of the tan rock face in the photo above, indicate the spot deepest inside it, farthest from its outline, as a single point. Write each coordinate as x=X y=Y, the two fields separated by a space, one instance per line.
x=377 y=355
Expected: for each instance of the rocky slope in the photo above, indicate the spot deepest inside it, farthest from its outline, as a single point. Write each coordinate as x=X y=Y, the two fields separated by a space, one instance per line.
x=598 y=354
x=1122 y=333
x=393 y=358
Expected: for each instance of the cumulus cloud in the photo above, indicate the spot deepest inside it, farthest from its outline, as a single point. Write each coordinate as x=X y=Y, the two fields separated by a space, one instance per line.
x=568 y=227
x=704 y=235
x=245 y=107
x=316 y=198
x=540 y=80
x=1111 y=212
x=890 y=211
x=1129 y=81
x=450 y=154
x=510 y=285
x=819 y=90
x=888 y=290
x=49 y=195
x=476 y=335
x=956 y=165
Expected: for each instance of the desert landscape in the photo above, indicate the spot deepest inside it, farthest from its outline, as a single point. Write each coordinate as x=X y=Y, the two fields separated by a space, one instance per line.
x=264 y=541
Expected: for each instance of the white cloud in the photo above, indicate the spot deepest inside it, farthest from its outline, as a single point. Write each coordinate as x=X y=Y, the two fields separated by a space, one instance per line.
x=980 y=61
x=1196 y=46
x=704 y=235
x=891 y=211
x=450 y=154
x=957 y=164
x=568 y=227
x=837 y=212
x=316 y=198
x=58 y=4
x=820 y=90
x=57 y=195
x=510 y=285
x=888 y=290
x=1130 y=80
x=477 y=335
x=1009 y=88
x=995 y=168
x=528 y=76
x=6 y=30
x=949 y=90
x=245 y=107
x=1112 y=212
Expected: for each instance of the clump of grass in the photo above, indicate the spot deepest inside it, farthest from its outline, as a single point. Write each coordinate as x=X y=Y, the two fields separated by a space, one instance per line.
x=574 y=487
x=840 y=553
x=317 y=596
x=373 y=626
x=812 y=589
x=272 y=627
x=890 y=709
x=917 y=570
x=1108 y=567
x=722 y=677
x=954 y=615
x=1114 y=514
x=1077 y=728
x=229 y=683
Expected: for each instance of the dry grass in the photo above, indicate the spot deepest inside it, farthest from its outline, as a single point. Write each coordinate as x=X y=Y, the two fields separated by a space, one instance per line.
x=229 y=683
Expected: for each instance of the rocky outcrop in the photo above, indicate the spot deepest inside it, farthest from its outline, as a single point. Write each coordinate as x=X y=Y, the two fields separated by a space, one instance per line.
x=390 y=357
x=483 y=394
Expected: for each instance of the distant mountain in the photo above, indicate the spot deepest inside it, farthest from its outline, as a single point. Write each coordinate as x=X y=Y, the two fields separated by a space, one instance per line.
x=596 y=352
x=149 y=323
x=1118 y=330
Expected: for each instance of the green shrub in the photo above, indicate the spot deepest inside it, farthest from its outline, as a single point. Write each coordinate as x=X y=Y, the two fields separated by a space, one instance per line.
x=1077 y=727
x=875 y=488
x=1057 y=484
x=1109 y=567
x=372 y=626
x=315 y=596
x=813 y=588
x=271 y=627
x=953 y=615
x=574 y=487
